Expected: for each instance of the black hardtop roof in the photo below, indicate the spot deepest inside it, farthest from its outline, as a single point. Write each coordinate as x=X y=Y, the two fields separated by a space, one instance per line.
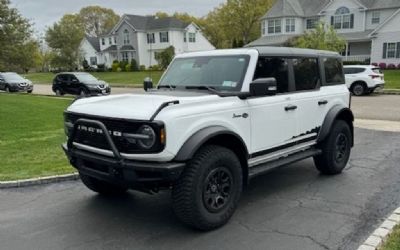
x=286 y=51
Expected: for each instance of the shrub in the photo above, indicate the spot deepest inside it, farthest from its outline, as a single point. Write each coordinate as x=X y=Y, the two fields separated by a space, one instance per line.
x=142 y=68
x=128 y=67
x=155 y=68
x=134 y=65
x=115 y=66
x=375 y=64
x=382 y=65
x=85 y=64
x=165 y=57
x=101 y=67
x=119 y=69
x=122 y=65
x=398 y=66
x=391 y=66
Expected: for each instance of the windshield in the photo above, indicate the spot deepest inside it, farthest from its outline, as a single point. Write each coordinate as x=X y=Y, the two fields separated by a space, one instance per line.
x=13 y=77
x=86 y=78
x=223 y=73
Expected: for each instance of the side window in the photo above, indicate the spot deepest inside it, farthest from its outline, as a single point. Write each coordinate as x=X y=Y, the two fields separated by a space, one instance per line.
x=348 y=71
x=62 y=78
x=358 y=70
x=334 y=71
x=306 y=73
x=274 y=67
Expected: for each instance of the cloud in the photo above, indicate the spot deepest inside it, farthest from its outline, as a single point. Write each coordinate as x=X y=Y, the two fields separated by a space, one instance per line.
x=44 y=13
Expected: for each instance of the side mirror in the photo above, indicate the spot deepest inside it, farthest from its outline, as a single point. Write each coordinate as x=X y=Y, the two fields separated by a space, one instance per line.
x=263 y=87
x=147 y=84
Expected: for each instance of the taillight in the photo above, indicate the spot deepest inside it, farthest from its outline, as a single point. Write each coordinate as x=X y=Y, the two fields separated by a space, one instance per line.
x=374 y=76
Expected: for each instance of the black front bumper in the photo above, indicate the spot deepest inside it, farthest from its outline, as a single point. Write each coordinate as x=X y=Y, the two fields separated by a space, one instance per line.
x=118 y=170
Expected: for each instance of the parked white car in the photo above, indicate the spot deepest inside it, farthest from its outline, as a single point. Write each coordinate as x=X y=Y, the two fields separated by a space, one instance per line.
x=216 y=120
x=363 y=79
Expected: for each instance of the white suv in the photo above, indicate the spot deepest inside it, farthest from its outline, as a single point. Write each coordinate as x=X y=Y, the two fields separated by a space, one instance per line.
x=362 y=80
x=215 y=120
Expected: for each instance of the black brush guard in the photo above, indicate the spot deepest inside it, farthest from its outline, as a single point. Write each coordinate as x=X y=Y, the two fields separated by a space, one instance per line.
x=117 y=169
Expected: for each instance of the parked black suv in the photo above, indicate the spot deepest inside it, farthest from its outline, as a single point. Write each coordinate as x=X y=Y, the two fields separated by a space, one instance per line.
x=12 y=82
x=83 y=84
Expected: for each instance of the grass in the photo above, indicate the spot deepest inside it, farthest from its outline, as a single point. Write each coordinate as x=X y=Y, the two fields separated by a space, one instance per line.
x=392 y=78
x=393 y=243
x=30 y=137
x=131 y=79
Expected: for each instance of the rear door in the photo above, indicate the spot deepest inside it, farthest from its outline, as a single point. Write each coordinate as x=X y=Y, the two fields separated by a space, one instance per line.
x=310 y=101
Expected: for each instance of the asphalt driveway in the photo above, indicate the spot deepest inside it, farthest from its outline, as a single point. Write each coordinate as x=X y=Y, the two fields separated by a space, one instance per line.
x=290 y=208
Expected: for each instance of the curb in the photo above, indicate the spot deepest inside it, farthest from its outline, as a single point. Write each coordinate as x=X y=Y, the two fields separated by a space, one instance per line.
x=390 y=92
x=380 y=235
x=39 y=181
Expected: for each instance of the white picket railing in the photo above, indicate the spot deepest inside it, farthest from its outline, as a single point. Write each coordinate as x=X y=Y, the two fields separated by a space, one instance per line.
x=357 y=58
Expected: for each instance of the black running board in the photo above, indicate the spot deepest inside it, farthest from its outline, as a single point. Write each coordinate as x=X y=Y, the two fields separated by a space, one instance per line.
x=268 y=166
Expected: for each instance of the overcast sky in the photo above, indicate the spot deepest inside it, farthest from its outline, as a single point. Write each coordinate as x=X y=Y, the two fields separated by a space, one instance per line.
x=44 y=13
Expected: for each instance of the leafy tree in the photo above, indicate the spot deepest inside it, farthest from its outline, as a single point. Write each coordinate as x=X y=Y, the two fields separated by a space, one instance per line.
x=165 y=57
x=98 y=20
x=323 y=37
x=19 y=52
x=64 y=37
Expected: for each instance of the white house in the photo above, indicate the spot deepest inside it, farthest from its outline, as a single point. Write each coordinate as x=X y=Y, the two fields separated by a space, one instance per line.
x=140 y=38
x=370 y=27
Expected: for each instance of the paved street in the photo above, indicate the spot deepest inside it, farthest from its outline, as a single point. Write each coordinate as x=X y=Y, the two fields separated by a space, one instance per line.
x=291 y=208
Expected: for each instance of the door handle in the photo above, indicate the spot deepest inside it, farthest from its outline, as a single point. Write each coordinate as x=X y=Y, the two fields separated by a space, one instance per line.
x=323 y=102
x=290 y=107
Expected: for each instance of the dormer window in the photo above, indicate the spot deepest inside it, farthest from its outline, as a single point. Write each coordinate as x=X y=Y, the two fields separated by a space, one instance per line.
x=342 y=19
x=376 y=17
x=274 y=26
x=126 y=37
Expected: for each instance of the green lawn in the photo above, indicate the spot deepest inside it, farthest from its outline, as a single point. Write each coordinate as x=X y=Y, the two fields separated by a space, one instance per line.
x=393 y=243
x=392 y=78
x=30 y=137
x=133 y=79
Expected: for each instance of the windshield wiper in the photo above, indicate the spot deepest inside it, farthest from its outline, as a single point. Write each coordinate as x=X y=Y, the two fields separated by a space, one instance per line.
x=204 y=87
x=167 y=86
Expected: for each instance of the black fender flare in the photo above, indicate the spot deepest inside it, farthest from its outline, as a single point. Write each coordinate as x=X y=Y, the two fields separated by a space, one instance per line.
x=337 y=111
x=190 y=147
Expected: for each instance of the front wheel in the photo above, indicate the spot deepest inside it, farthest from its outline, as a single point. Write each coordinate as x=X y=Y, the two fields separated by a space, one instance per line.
x=335 y=149
x=29 y=91
x=208 y=192
x=102 y=187
x=358 y=89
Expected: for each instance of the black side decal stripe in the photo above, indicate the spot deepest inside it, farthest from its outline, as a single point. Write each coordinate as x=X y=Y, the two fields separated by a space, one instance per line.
x=272 y=150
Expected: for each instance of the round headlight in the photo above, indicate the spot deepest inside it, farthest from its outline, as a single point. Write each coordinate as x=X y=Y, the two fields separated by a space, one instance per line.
x=149 y=142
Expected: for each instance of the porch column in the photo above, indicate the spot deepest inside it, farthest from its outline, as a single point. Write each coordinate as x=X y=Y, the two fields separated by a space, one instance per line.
x=347 y=50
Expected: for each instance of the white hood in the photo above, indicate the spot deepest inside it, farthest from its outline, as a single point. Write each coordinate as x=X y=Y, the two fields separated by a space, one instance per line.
x=129 y=106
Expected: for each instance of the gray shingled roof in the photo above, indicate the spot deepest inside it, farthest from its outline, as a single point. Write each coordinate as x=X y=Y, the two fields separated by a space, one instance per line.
x=94 y=41
x=111 y=48
x=127 y=47
x=152 y=23
x=270 y=41
x=307 y=8
x=356 y=36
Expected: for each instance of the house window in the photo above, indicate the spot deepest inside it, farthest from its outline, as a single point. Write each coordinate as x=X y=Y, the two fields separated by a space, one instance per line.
x=376 y=17
x=312 y=23
x=184 y=37
x=274 y=26
x=103 y=41
x=110 y=40
x=126 y=37
x=192 y=37
x=93 y=60
x=342 y=19
x=125 y=56
x=164 y=37
x=391 y=50
x=263 y=28
x=115 y=39
x=290 y=25
x=151 y=38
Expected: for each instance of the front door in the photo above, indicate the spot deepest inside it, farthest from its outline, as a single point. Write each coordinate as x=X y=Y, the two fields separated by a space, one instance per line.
x=273 y=118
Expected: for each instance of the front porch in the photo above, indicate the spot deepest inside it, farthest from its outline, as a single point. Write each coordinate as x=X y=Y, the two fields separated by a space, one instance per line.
x=357 y=52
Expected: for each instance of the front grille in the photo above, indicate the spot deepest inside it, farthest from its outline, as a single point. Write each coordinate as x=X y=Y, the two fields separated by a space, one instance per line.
x=116 y=128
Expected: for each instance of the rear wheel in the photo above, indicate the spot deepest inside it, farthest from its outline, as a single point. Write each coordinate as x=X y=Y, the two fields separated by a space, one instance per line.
x=83 y=93
x=209 y=189
x=7 y=89
x=29 y=91
x=335 y=149
x=359 y=89
x=102 y=187
x=59 y=92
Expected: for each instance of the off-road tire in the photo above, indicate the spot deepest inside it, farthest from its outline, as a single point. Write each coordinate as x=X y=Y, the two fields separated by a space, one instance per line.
x=338 y=143
x=102 y=187
x=188 y=195
x=359 y=89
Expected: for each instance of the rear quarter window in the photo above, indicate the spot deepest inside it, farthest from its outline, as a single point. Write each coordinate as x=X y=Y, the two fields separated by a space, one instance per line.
x=333 y=71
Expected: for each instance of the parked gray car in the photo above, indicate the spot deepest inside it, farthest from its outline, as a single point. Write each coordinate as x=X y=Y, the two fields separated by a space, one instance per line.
x=12 y=82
